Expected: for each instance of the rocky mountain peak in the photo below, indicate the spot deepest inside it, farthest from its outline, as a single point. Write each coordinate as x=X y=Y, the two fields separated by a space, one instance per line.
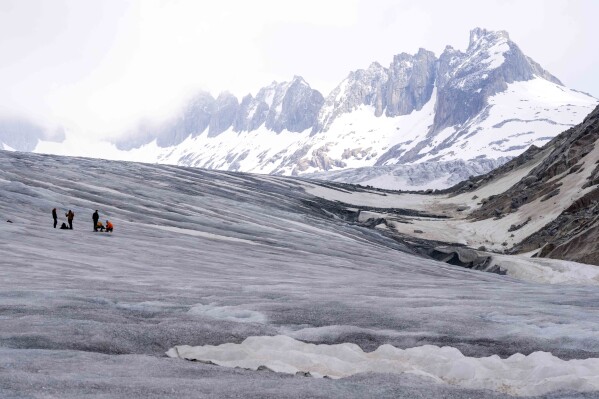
x=467 y=80
x=197 y=114
x=299 y=80
x=295 y=107
x=411 y=82
x=291 y=106
x=478 y=34
x=224 y=113
x=402 y=58
x=406 y=85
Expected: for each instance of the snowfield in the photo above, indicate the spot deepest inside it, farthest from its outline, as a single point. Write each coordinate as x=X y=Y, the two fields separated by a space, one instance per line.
x=253 y=270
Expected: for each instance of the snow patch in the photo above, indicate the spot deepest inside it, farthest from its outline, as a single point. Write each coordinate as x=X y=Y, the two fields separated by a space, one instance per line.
x=536 y=374
x=547 y=271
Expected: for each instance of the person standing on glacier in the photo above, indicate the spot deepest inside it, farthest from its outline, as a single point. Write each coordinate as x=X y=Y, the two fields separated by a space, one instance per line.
x=55 y=217
x=95 y=218
x=70 y=216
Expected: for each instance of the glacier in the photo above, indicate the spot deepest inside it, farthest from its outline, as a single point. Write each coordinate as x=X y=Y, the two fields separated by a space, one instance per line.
x=203 y=257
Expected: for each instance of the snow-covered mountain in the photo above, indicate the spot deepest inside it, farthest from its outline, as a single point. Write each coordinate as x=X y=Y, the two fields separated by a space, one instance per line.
x=491 y=101
x=488 y=102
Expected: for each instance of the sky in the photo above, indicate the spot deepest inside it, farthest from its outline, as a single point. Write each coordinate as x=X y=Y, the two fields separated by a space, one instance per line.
x=97 y=67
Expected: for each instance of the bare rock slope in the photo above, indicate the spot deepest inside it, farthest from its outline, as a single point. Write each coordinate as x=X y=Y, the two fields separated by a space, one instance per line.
x=565 y=177
x=543 y=203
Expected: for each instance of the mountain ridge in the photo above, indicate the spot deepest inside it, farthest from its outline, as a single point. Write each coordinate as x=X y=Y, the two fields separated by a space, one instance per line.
x=406 y=85
x=490 y=101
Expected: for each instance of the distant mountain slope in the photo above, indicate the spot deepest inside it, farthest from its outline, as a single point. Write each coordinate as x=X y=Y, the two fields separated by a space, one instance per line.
x=565 y=182
x=543 y=203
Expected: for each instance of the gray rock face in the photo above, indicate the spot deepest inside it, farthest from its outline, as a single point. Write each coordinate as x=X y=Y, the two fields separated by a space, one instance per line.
x=291 y=106
x=224 y=114
x=398 y=90
x=467 y=80
x=361 y=87
x=411 y=82
x=197 y=114
x=251 y=115
x=299 y=107
x=193 y=121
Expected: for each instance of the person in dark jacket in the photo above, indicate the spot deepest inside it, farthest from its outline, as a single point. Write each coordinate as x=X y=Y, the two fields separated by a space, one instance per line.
x=70 y=216
x=55 y=217
x=95 y=218
x=64 y=226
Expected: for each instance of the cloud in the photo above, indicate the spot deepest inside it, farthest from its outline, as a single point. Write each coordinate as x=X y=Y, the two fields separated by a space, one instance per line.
x=97 y=67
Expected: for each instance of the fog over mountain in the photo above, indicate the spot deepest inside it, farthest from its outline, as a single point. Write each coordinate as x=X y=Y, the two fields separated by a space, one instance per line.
x=21 y=134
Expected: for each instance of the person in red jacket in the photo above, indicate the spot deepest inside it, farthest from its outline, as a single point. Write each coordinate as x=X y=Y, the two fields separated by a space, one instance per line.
x=109 y=227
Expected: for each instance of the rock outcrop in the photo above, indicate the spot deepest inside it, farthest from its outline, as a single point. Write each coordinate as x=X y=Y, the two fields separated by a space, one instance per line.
x=405 y=86
x=225 y=111
x=574 y=234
